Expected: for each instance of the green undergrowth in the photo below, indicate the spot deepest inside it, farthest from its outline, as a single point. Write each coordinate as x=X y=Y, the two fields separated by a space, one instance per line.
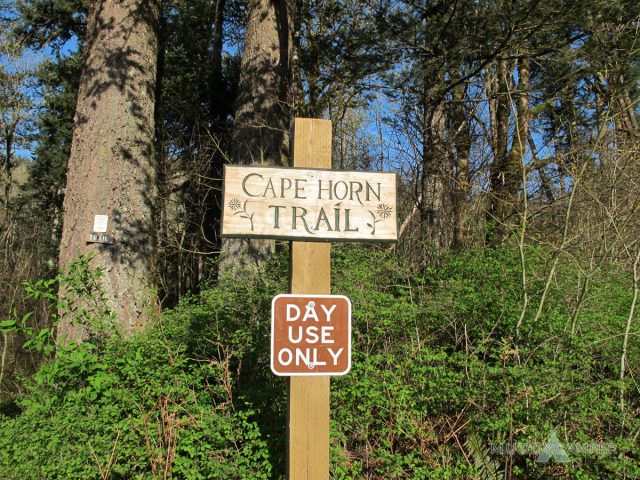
x=443 y=384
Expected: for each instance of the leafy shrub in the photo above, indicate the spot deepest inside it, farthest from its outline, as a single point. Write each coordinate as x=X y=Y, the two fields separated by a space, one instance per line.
x=439 y=380
x=130 y=408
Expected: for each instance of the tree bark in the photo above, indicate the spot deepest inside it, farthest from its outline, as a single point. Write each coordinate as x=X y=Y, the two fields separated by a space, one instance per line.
x=506 y=171
x=434 y=155
x=261 y=122
x=111 y=165
x=216 y=109
x=218 y=119
x=499 y=128
x=462 y=141
x=262 y=117
x=6 y=173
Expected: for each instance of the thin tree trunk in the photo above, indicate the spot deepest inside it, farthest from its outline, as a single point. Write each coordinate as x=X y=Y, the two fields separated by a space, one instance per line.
x=165 y=266
x=545 y=181
x=627 y=330
x=218 y=113
x=630 y=110
x=462 y=141
x=433 y=162
x=217 y=37
x=6 y=174
x=461 y=204
x=506 y=172
x=111 y=166
x=500 y=114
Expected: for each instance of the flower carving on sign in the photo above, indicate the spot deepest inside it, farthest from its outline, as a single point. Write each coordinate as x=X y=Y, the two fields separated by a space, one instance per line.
x=240 y=209
x=382 y=212
x=234 y=204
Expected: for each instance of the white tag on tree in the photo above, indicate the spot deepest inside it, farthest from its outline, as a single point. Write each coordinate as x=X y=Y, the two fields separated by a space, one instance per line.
x=100 y=223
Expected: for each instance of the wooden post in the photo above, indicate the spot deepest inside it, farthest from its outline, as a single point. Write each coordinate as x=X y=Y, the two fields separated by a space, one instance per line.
x=308 y=447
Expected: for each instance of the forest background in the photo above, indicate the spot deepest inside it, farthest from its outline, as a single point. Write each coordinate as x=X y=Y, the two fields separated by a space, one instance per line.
x=507 y=309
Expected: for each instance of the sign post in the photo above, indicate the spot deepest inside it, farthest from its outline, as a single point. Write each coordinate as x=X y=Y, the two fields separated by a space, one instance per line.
x=308 y=446
x=310 y=205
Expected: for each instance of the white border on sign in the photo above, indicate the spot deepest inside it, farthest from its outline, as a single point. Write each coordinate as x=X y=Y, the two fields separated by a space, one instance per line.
x=317 y=374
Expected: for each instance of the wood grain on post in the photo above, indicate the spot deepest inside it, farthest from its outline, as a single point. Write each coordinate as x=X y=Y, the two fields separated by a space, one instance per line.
x=308 y=447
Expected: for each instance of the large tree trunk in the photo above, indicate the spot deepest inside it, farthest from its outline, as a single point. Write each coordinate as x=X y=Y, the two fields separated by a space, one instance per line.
x=111 y=166
x=262 y=118
x=261 y=121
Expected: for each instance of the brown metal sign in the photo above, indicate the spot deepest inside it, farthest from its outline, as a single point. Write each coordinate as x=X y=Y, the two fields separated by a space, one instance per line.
x=310 y=335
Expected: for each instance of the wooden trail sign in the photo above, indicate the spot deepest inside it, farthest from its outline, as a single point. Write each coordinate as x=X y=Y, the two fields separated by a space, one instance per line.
x=310 y=204
x=310 y=335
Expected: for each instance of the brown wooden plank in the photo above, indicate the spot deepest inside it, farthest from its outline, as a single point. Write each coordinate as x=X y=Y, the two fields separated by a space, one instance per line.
x=309 y=203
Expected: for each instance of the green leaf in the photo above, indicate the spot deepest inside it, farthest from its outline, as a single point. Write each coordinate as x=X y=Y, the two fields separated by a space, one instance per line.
x=8 y=325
